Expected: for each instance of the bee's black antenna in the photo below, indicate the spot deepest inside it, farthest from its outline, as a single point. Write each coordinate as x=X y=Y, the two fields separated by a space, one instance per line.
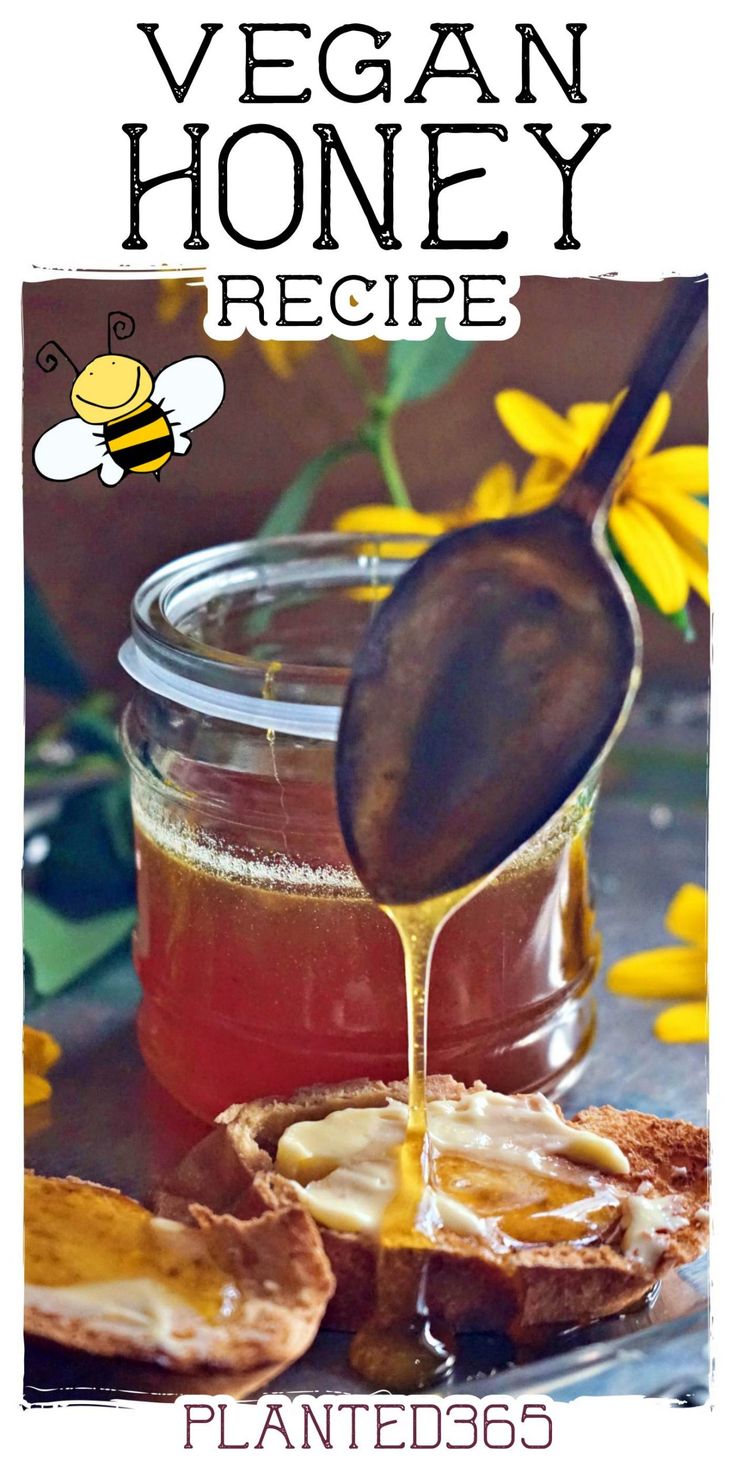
x=48 y=356
x=119 y=326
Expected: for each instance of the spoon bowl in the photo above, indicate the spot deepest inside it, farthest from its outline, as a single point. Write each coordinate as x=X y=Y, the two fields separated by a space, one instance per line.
x=488 y=684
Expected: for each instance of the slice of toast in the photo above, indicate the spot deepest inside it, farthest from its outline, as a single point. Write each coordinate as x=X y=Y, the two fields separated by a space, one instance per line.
x=470 y=1285
x=276 y=1277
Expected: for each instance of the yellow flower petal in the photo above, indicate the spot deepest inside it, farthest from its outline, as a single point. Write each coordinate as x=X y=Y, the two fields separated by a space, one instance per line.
x=371 y=347
x=694 y=558
x=172 y=298
x=683 y=468
x=537 y=428
x=40 y=1053
x=541 y=486
x=653 y=428
x=35 y=1089
x=530 y=500
x=677 y=971
x=687 y=915
x=669 y=971
x=40 y=1050
x=686 y=521
x=695 y=563
x=651 y=553
x=281 y=356
x=588 y=421
x=687 y=1023
x=174 y=294
x=381 y=517
x=681 y=515
x=493 y=496
x=382 y=521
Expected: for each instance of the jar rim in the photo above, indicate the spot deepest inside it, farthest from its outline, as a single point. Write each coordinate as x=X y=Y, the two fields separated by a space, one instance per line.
x=304 y=699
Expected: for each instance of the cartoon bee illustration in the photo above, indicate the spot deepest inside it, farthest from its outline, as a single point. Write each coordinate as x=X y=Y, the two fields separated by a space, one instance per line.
x=124 y=422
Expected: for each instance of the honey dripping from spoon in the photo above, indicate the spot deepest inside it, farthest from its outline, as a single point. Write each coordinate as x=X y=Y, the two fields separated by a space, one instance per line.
x=401 y=1347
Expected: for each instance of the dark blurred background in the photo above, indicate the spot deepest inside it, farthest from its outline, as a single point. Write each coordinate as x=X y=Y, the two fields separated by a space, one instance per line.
x=87 y=547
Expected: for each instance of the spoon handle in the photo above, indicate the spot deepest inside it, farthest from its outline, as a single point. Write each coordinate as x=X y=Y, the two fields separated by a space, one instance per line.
x=593 y=484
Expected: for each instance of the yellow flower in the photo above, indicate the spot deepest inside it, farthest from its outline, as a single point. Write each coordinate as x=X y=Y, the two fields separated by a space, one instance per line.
x=387 y=521
x=673 y=971
x=175 y=295
x=492 y=498
x=656 y=522
x=40 y=1053
x=369 y=347
x=383 y=522
x=283 y=357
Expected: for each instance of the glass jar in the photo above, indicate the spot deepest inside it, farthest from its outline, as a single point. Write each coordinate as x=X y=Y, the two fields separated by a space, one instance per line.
x=264 y=964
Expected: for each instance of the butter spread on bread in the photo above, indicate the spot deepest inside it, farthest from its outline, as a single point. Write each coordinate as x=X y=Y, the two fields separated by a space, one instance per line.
x=104 y=1274
x=506 y=1169
x=647 y=1221
x=91 y=1251
x=473 y=1282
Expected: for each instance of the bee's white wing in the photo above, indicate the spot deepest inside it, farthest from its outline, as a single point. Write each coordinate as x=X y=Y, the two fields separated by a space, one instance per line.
x=189 y=392
x=69 y=449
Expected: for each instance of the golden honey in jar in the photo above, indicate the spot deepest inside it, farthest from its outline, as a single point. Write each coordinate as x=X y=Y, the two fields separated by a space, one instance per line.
x=263 y=963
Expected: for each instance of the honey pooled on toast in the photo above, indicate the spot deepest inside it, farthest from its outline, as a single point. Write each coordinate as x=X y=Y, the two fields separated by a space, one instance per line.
x=82 y=1239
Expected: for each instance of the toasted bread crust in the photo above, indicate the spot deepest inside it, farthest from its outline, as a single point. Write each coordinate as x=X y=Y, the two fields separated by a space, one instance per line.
x=469 y=1286
x=277 y=1260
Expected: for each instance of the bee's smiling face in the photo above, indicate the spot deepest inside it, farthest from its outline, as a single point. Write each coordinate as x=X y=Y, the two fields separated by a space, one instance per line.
x=110 y=386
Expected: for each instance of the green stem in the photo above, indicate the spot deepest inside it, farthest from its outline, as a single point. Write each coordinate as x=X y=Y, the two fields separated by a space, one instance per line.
x=385 y=453
x=353 y=365
x=377 y=433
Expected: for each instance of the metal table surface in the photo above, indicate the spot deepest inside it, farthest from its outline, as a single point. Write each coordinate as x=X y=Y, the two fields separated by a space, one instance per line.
x=109 y=1121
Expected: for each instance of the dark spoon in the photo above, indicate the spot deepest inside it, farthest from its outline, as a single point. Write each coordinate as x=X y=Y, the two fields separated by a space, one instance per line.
x=498 y=672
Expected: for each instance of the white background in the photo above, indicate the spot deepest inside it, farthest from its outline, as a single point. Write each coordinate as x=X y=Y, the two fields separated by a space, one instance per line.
x=654 y=197
x=642 y=197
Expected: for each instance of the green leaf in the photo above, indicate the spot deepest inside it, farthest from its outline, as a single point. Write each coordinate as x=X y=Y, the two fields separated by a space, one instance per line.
x=418 y=369
x=80 y=750
x=49 y=663
x=683 y=622
x=115 y=806
x=90 y=865
x=292 y=508
x=85 y=771
x=62 y=950
x=93 y=725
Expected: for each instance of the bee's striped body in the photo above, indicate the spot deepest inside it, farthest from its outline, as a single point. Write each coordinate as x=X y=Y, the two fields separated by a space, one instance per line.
x=140 y=441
